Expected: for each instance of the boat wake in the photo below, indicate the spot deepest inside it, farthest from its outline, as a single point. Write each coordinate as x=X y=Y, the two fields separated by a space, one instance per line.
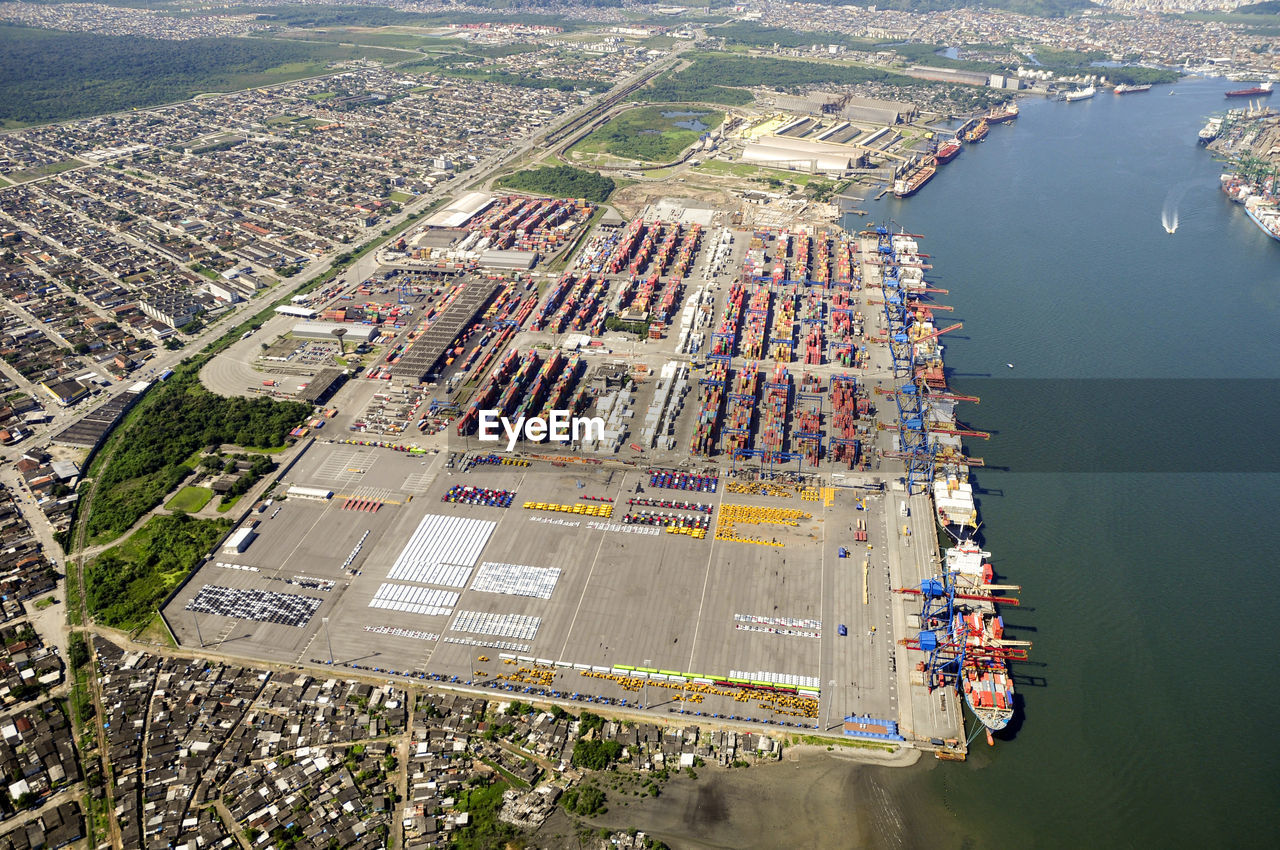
x=1169 y=214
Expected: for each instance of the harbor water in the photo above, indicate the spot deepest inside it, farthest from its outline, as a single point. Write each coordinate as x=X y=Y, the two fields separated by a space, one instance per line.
x=1128 y=377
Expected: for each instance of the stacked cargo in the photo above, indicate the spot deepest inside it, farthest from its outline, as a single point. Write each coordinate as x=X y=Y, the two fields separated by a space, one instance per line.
x=822 y=259
x=549 y=306
x=666 y=249
x=488 y=392
x=800 y=266
x=706 y=424
x=807 y=436
x=813 y=346
x=753 y=329
x=724 y=338
x=541 y=384
x=684 y=257
x=645 y=249
x=741 y=409
x=782 y=336
x=644 y=296
x=499 y=343
x=590 y=315
x=515 y=388
x=625 y=246
x=844 y=260
x=844 y=441
x=558 y=397
x=773 y=419
x=667 y=301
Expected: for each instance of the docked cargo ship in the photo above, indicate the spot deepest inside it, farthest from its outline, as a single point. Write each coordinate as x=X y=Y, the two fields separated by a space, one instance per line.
x=954 y=505
x=984 y=675
x=948 y=150
x=910 y=183
x=1263 y=214
x=1125 y=88
x=977 y=133
x=1000 y=114
x=1260 y=90
x=1210 y=130
x=1080 y=94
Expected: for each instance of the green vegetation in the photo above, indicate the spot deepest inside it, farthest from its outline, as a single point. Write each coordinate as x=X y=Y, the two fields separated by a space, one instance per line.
x=125 y=583
x=586 y=801
x=650 y=133
x=640 y=329
x=562 y=181
x=48 y=75
x=596 y=754
x=77 y=651
x=190 y=499
x=174 y=420
x=457 y=66
x=1139 y=76
x=686 y=87
x=485 y=832
x=44 y=170
x=757 y=35
x=927 y=54
x=784 y=74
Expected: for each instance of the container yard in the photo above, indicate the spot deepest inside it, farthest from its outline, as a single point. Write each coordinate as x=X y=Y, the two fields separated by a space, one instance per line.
x=772 y=399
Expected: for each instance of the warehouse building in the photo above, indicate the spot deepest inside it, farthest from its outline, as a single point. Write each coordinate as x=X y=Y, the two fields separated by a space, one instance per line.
x=847 y=107
x=802 y=155
x=356 y=333
x=461 y=211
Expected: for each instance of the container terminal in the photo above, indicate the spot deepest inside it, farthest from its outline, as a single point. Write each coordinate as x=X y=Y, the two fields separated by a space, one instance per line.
x=773 y=525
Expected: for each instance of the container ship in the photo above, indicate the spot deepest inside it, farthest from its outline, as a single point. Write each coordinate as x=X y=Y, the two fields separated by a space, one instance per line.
x=1125 y=88
x=948 y=150
x=1080 y=94
x=977 y=133
x=1263 y=214
x=1260 y=90
x=984 y=674
x=1001 y=114
x=911 y=182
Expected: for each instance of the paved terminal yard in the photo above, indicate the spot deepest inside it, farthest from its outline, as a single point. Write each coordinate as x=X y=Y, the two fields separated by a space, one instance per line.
x=581 y=605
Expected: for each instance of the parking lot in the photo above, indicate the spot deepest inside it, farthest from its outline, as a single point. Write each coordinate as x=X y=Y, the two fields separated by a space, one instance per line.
x=574 y=596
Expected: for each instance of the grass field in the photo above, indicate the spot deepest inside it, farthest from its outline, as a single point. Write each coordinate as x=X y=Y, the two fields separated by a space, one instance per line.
x=190 y=499
x=45 y=170
x=649 y=134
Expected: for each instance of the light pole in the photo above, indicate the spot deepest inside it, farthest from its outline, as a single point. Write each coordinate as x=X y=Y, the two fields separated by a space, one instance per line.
x=196 y=617
x=328 y=640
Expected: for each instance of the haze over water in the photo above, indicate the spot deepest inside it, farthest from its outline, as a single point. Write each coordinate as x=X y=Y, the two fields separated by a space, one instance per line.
x=1136 y=508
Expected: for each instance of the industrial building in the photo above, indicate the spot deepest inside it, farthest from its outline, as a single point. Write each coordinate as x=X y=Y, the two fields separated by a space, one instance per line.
x=461 y=211
x=802 y=155
x=862 y=110
x=425 y=353
x=357 y=333
x=508 y=260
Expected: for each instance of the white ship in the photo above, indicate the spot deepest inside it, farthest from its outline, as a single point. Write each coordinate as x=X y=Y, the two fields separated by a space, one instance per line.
x=1081 y=94
x=1210 y=131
